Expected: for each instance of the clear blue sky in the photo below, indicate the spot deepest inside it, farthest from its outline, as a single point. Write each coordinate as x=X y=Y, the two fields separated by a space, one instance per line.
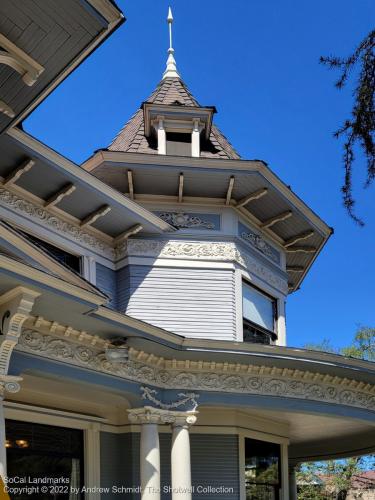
x=257 y=61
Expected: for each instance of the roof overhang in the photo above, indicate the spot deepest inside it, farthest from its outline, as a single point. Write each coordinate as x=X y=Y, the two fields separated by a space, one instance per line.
x=247 y=186
x=69 y=192
x=177 y=118
x=60 y=41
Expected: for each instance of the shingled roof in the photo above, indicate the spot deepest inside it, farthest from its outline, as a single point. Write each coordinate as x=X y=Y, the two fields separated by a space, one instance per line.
x=132 y=139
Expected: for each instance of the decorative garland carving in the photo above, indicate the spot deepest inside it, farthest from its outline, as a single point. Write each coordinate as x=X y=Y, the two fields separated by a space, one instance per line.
x=183 y=220
x=190 y=397
x=200 y=375
x=39 y=215
x=258 y=242
x=224 y=251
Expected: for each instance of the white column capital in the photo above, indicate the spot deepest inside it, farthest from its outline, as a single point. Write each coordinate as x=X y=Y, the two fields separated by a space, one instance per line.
x=151 y=415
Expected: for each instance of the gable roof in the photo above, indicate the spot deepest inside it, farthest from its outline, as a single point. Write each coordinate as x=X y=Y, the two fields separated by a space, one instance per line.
x=132 y=139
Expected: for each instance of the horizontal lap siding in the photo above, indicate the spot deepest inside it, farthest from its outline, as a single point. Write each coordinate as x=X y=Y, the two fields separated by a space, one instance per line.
x=214 y=464
x=106 y=282
x=197 y=303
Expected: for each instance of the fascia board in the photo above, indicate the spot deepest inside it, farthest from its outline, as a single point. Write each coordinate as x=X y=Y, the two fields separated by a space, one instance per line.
x=87 y=179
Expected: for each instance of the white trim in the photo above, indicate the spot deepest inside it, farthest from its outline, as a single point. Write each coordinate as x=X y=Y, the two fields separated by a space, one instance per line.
x=89 y=268
x=283 y=442
x=89 y=425
x=85 y=177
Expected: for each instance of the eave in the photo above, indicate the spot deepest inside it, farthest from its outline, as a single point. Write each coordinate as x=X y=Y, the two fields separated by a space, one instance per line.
x=106 y=213
x=103 y=11
x=277 y=224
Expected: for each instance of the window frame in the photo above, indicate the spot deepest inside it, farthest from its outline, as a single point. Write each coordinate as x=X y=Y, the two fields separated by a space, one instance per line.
x=273 y=334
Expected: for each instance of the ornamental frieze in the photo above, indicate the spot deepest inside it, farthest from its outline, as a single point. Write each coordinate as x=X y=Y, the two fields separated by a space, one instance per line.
x=215 y=251
x=242 y=379
x=183 y=220
x=39 y=215
x=257 y=241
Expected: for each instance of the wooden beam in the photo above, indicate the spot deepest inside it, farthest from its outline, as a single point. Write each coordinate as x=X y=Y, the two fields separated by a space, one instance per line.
x=299 y=237
x=59 y=195
x=7 y=110
x=180 y=188
x=277 y=218
x=129 y=232
x=295 y=269
x=16 y=174
x=230 y=189
x=301 y=249
x=253 y=196
x=131 y=184
x=90 y=219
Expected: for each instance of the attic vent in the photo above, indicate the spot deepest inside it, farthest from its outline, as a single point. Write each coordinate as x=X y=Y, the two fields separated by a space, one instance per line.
x=178 y=144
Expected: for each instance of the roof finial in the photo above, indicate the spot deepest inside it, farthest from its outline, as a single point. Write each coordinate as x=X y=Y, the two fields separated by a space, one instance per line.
x=171 y=71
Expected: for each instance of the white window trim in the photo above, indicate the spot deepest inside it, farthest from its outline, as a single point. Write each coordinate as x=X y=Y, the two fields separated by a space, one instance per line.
x=283 y=442
x=91 y=435
x=243 y=275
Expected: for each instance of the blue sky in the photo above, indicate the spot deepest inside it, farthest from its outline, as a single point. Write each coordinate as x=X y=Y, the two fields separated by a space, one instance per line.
x=257 y=62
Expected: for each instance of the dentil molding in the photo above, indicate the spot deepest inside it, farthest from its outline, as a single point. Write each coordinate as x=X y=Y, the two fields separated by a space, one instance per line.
x=203 y=375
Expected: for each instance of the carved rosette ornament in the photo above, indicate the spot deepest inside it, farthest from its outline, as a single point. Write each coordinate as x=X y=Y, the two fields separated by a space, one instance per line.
x=9 y=384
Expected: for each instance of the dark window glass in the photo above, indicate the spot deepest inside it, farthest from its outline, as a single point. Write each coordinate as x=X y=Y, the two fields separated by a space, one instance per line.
x=46 y=456
x=262 y=470
x=70 y=260
x=259 y=315
x=178 y=144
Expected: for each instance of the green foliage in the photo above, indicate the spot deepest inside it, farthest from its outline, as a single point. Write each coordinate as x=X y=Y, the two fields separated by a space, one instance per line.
x=332 y=479
x=360 y=127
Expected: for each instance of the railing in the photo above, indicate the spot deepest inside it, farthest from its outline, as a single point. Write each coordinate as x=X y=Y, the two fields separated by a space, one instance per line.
x=256 y=334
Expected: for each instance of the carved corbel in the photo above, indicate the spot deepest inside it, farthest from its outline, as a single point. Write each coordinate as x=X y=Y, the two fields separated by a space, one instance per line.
x=15 y=308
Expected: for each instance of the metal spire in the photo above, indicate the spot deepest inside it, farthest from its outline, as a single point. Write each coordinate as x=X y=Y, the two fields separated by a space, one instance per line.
x=171 y=70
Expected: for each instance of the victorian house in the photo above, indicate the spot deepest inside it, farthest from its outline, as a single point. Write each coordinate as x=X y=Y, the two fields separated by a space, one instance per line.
x=143 y=348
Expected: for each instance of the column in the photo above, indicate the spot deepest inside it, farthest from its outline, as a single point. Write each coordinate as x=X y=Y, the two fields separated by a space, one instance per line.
x=195 y=139
x=148 y=418
x=162 y=139
x=3 y=451
x=180 y=455
x=292 y=482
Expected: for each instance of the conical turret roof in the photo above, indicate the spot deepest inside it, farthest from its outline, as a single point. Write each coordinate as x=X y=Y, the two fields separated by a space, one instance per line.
x=170 y=91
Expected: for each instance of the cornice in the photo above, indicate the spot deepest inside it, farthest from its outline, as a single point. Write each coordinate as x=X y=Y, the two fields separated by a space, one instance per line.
x=200 y=375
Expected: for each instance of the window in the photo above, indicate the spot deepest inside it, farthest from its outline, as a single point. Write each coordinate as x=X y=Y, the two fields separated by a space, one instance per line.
x=259 y=315
x=178 y=144
x=262 y=470
x=38 y=452
x=66 y=258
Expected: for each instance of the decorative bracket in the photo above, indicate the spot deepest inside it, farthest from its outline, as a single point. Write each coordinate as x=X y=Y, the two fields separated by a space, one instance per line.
x=21 y=62
x=15 y=307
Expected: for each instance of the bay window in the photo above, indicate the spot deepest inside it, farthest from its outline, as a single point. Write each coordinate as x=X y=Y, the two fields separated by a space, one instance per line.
x=259 y=315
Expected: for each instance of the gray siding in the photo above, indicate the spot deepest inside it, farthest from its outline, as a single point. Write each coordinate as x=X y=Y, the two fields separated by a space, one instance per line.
x=214 y=463
x=106 y=281
x=197 y=303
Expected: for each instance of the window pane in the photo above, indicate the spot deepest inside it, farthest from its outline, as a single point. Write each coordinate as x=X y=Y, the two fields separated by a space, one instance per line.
x=258 y=307
x=262 y=470
x=42 y=452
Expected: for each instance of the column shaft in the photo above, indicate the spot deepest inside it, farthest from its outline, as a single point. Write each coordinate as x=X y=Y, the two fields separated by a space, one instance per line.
x=3 y=451
x=150 y=461
x=180 y=463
